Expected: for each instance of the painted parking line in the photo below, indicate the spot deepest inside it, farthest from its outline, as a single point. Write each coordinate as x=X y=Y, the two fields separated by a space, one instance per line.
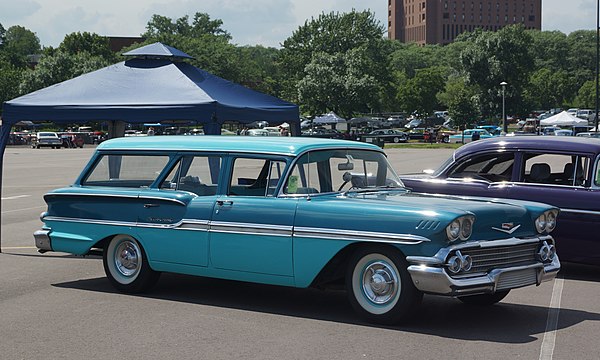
x=15 y=197
x=18 y=248
x=549 y=341
x=25 y=209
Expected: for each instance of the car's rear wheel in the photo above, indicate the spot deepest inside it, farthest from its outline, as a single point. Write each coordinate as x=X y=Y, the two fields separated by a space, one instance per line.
x=126 y=265
x=484 y=299
x=396 y=139
x=379 y=286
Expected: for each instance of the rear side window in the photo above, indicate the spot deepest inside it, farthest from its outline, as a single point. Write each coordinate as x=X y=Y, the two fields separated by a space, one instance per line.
x=134 y=171
x=255 y=177
x=556 y=169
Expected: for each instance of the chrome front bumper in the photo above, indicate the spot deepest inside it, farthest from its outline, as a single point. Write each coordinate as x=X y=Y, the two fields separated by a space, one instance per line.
x=42 y=240
x=430 y=276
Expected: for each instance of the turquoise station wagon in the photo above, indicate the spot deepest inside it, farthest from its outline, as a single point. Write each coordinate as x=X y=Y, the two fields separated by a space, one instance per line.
x=296 y=212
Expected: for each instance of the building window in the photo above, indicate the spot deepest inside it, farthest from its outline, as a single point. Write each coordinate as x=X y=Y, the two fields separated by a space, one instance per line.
x=531 y=17
x=446 y=15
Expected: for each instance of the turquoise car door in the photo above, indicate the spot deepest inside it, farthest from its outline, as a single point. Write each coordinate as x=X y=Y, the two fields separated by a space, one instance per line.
x=251 y=229
x=176 y=232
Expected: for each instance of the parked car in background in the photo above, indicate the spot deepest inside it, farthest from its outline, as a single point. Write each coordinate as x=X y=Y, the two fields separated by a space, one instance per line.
x=296 y=212
x=585 y=114
x=389 y=135
x=563 y=132
x=46 y=139
x=468 y=134
x=561 y=171
x=592 y=134
x=320 y=132
x=257 y=132
x=492 y=129
x=414 y=123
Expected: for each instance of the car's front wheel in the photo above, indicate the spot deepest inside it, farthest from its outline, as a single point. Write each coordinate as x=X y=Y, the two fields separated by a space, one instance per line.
x=126 y=265
x=484 y=299
x=379 y=286
x=396 y=139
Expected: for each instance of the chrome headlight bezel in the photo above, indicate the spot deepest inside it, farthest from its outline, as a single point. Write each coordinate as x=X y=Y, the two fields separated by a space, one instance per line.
x=546 y=222
x=461 y=228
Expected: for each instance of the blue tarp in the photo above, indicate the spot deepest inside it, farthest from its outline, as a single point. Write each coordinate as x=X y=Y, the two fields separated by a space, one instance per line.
x=151 y=88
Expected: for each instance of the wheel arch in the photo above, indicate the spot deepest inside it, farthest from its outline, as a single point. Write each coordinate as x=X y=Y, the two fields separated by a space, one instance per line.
x=333 y=273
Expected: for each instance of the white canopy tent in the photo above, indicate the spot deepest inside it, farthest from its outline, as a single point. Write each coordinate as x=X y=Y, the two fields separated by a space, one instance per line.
x=563 y=119
x=329 y=118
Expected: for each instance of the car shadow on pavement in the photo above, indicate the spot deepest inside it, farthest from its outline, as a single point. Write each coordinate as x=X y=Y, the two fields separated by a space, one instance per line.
x=440 y=316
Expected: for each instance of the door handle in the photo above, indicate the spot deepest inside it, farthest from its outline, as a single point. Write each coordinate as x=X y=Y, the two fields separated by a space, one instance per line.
x=224 y=202
x=150 y=205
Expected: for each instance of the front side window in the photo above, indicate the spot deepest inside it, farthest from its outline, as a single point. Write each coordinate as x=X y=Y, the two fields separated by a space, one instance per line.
x=555 y=169
x=495 y=167
x=329 y=171
x=255 y=177
x=126 y=170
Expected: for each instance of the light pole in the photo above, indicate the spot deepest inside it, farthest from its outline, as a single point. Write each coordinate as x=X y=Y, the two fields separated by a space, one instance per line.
x=504 y=124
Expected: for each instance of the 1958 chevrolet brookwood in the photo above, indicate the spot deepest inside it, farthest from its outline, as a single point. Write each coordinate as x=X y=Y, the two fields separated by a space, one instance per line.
x=297 y=212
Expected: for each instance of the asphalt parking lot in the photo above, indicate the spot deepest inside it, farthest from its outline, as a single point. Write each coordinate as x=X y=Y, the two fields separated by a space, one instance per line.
x=57 y=306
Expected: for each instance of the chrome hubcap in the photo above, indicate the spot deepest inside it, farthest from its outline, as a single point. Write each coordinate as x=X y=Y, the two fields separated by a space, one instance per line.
x=127 y=258
x=380 y=282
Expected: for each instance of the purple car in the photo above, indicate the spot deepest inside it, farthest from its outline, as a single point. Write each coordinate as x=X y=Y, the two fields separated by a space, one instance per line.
x=561 y=171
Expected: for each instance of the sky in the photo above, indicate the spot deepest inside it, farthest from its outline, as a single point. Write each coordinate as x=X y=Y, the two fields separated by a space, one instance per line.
x=250 y=22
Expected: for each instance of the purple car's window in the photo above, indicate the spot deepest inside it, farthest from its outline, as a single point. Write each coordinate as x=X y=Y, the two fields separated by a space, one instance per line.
x=494 y=167
x=556 y=169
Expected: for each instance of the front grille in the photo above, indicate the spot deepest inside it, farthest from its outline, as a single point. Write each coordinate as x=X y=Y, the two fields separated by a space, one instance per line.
x=516 y=279
x=486 y=259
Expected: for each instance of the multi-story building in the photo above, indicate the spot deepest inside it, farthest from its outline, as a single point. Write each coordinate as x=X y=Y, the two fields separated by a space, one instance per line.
x=441 y=21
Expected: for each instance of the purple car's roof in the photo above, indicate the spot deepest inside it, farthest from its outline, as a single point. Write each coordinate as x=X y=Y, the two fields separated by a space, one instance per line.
x=562 y=143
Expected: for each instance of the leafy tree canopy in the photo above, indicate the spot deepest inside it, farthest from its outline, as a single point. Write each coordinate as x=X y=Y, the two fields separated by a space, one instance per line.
x=93 y=44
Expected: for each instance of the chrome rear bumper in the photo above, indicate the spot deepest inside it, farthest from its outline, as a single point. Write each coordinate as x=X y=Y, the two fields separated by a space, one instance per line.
x=42 y=240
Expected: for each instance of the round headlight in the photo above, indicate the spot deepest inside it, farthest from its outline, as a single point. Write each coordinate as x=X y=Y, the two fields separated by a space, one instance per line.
x=454 y=264
x=540 y=223
x=466 y=228
x=550 y=220
x=453 y=230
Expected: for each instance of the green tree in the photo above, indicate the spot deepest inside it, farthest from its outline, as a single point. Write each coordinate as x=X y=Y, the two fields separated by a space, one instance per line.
x=93 y=44
x=419 y=93
x=495 y=57
x=549 y=89
x=203 y=38
x=10 y=77
x=586 y=96
x=336 y=34
x=18 y=43
x=336 y=82
x=461 y=101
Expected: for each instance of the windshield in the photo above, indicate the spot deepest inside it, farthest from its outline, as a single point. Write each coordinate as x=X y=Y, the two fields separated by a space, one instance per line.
x=327 y=171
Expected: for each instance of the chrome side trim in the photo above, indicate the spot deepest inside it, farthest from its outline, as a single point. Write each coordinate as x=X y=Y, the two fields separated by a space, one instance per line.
x=354 y=235
x=91 y=221
x=119 y=196
x=262 y=229
x=576 y=211
x=189 y=224
x=251 y=229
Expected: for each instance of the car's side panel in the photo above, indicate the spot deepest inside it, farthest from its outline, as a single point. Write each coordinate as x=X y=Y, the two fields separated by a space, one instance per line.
x=578 y=223
x=253 y=234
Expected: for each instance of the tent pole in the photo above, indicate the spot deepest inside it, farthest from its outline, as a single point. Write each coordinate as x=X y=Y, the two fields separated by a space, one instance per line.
x=3 y=142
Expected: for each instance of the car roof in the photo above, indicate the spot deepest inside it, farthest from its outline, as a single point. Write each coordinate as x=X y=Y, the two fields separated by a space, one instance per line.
x=566 y=144
x=272 y=145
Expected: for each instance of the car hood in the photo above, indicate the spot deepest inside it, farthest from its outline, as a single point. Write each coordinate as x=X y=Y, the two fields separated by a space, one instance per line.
x=421 y=214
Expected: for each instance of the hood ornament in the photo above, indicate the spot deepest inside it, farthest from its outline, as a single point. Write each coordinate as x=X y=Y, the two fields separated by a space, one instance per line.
x=508 y=228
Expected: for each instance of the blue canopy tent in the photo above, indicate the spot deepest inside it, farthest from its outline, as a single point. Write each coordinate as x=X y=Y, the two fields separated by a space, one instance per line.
x=154 y=85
